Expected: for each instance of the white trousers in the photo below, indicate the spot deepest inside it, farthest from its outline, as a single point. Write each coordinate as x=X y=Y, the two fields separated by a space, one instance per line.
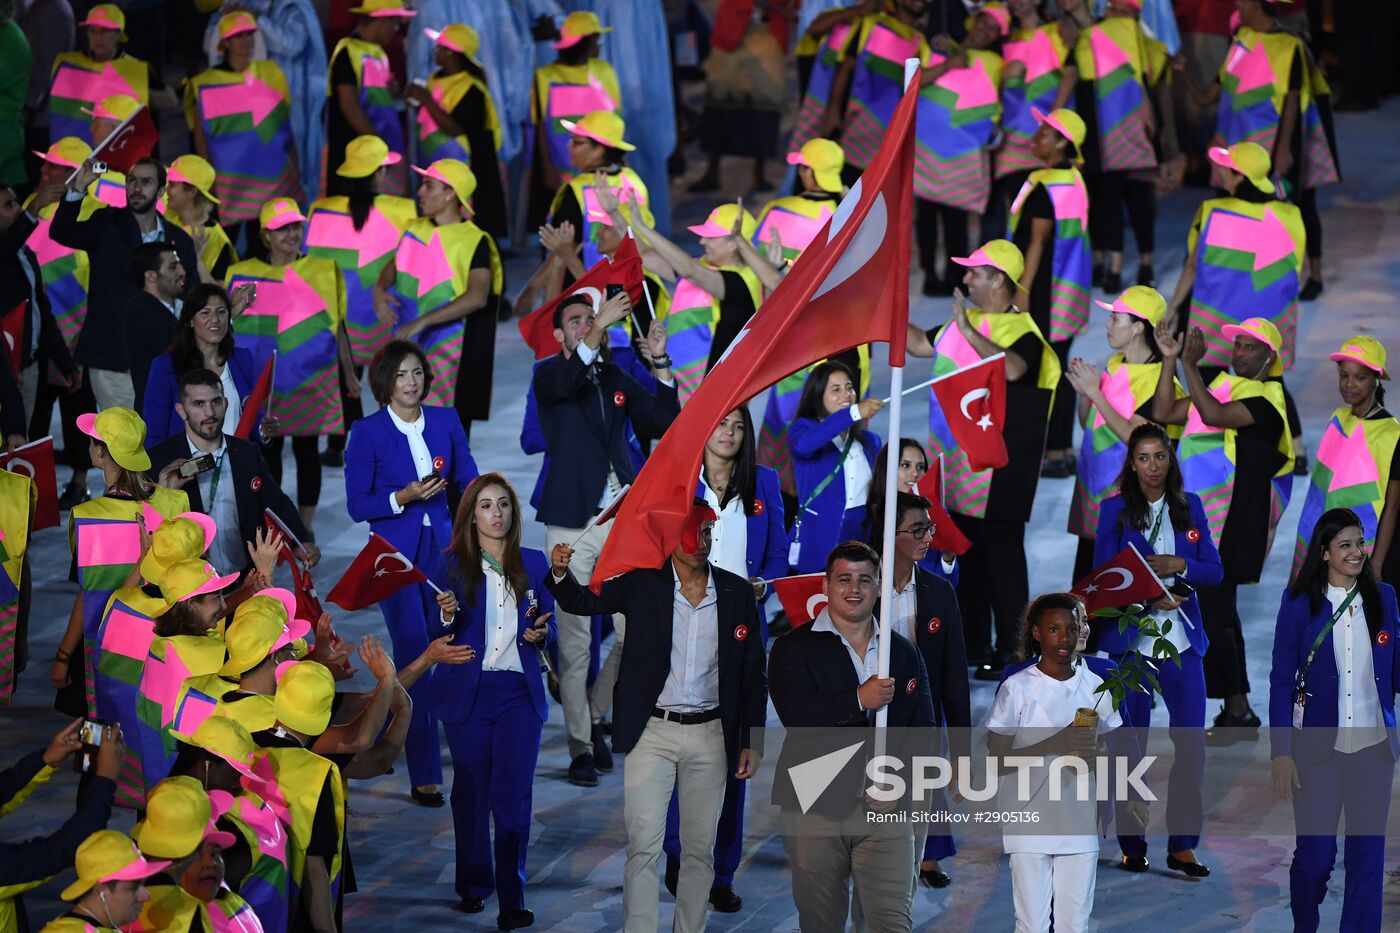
x=1066 y=880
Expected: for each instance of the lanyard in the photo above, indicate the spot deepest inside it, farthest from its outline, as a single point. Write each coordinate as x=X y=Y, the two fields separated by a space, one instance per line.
x=1157 y=527
x=1317 y=642
x=214 y=483
x=826 y=481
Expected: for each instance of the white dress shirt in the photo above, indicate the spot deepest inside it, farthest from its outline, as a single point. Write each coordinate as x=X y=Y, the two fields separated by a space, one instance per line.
x=502 y=654
x=866 y=667
x=1164 y=544
x=729 y=540
x=226 y=551
x=906 y=608
x=692 y=684
x=855 y=468
x=234 y=412
x=422 y=459
x=1359 y=722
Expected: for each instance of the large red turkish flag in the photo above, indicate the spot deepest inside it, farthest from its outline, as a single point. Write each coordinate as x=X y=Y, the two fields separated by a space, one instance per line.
x=849 y=287
x=973 y=400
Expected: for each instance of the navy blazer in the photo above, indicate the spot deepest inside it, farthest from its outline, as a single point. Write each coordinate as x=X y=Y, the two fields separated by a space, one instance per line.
x=454 y=686
x=378 y=462
x=814 y=457
x=588 y=429
x=162 y=392
x=1296 y=630
x=766 y=528
x=1203 y=568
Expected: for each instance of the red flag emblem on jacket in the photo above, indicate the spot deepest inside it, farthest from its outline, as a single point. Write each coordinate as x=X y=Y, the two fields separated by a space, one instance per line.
x=1122 y=581
x=974 y=404
x=803 y=597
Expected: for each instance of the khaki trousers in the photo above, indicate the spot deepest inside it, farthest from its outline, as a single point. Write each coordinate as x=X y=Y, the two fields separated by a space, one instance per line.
x=824 y=864
x=575 y=636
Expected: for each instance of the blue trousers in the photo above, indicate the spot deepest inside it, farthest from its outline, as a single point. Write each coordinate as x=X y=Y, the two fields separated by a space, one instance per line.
x=1358 y=783
x=1184 y=692
x=729 y=834
x=414 y=619
x=494 y=751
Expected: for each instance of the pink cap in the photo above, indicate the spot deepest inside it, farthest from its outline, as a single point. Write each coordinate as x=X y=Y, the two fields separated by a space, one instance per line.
x=294 y=630
x=999 y=13
x=88 y=425
x=101 y=18
x=600 y=217
x=218 y=806
x=709 y=228
x=215 y=584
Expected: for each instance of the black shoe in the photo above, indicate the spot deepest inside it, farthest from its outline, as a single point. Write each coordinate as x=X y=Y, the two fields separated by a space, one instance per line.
x=605 y=727
x=991 y=672
x=1228 y=729
x=1147 y=276
x=1192 y=869
x=515 y=919
x=428 y=798
x=1134 y=863
x=1097 y=280
x=1311 y=289
x=602 y=754
x=331 y=457
x=673 y=874
x=1056 y=469
x=470 y=905
x=934 y=287
x=1300 y=465
x=704 y=184
x=581 y=771
x=1112 y=282
x=934 y=878
x=724 y=900
x=72 y=495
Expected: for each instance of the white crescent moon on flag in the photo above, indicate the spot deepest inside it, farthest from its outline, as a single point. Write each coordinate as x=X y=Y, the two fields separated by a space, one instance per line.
x=815 y=602
x=20 y=465
x=594 y=295
x=396 y=556
x=1125 y=575
x=971 y=397
x=865 y=244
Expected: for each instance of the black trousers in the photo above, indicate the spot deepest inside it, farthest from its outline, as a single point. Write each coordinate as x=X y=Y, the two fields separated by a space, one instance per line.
x=70 y=406
x=1109 y=194
x=996 y=221
x=1226 y=671
x=305 y=450
x=993 y=588
x=1060 y=433
x=1312 y=222
x=928 y=217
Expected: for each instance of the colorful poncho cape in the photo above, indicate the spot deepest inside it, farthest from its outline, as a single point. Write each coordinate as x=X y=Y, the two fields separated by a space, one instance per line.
x=578 y=190
x=568 y=92
x=690 y=327
x=373 y=76
x=1071 y=274
x=79 y=83
x=1042 y=53
x=18 y=498
x=448 y=91
x=1123 y=63
x=957 y=119
x=824 y=65
x=880 y=47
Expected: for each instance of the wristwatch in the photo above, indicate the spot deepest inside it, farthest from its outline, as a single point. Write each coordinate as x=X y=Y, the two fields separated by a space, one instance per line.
x=661 y=362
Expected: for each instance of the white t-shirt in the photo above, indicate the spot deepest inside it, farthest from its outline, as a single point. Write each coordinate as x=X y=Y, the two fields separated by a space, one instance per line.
x=1030 y=699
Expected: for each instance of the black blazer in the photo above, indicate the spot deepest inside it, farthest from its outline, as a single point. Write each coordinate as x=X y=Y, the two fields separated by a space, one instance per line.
x=647 y=598
x=147 y=328
x=109 y=237
x=585 y=431
x=938 y=631
x=253 y=486
x=814 y=687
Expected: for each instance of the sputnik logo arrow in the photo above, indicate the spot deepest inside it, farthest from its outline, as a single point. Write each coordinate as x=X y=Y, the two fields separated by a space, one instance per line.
x=810 y=779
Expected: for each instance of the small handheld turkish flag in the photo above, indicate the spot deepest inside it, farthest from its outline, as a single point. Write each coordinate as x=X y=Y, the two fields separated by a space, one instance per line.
x=625 y=269
x=973 y=400
x=803 y=597
x=262 y=391
x=35 y=460
x=378 y=571
x=947 y=536
x=1122 y=581
x=12 y=324
x=132 y=140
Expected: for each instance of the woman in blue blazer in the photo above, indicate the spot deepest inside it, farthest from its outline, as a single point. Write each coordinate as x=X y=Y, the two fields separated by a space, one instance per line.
x=398 y=462
x=494 y=710
x=1336 y=609
x=203 y=340
x=828 y=422
x=1168 y=527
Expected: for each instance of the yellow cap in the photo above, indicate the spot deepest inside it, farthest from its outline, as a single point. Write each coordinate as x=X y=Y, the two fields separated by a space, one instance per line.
x=186 y=579
x=999 y=254
x=257 y=625
x=225 y=738
x=1068 y=124
x=124 y=433
x=193 y=170
x=106 y=16
x=69 y=152
x=304 y=697
x=459 y=37
x=114 y=107
x=578 y=26
x=177 y=816
x=239 y=21
x=184 y=537
x=1141 y=302
x=365 y=155
x=455 y=174
x=279 y=212
x=1364 y=350
x=383 y=8
x=1249 y=159
x=721 y=223
x=825 y=159
x=601 y=126
x=1262 y=330
x=108 y=855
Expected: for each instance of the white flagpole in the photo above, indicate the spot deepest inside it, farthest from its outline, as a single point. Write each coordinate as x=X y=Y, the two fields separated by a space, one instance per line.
x=896 y=405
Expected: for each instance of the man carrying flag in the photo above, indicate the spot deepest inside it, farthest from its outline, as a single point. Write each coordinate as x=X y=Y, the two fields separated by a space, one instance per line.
x=991 y=505
x=585 y=406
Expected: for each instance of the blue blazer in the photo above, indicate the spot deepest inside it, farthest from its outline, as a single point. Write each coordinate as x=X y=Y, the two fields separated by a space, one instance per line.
x=1203 y=567
x=162 y=392
x=766 y=528
x=454 y=686
x=378 y=462
x=814 y=457
x=853 y=529
x=1296 y=630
